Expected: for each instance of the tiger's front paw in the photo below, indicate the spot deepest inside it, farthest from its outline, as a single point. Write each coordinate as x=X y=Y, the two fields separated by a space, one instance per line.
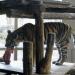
x=54 y=62
x=58 y=63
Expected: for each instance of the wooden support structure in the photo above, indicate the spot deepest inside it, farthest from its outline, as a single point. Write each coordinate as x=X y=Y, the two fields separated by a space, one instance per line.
x=39 y=40
x=45 y=64
x=36 y=10
x=39 y=32
x=48 y=54
x=22 y=10
x=27 y=58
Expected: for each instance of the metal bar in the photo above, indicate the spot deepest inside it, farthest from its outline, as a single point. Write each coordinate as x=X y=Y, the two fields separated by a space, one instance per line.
x=15 y=27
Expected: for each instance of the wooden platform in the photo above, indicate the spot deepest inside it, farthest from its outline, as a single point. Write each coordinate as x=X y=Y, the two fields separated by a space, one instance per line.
x=53 y=10
x=16 y=67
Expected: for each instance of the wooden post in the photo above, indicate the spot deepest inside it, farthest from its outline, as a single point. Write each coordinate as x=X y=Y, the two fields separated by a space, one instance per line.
x=27 y=58
x=36 y=9
x=48 y=54
x=39 y=34
x=45 y=64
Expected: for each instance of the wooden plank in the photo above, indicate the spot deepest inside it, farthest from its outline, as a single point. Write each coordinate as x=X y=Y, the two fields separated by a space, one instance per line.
x=58 y=4
x=14 y=67
x=61 y=10
x=45 y=15
x=49 y=6
x=54 y=15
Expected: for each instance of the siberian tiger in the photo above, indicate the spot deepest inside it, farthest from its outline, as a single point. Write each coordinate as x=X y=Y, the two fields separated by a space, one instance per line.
x=27 y=33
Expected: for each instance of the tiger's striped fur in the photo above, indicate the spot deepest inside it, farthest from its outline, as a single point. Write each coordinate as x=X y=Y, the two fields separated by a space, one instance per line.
x=27 y=33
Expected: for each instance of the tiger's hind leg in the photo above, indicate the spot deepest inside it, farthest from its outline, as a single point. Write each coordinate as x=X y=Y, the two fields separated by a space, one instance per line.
x=63 y=56
x=62 y=53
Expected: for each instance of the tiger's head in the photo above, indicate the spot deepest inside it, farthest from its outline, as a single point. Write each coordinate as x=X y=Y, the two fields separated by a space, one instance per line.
x=10 y=40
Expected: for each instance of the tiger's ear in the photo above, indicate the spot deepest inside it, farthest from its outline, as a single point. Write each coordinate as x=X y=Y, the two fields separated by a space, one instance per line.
x=9 y=31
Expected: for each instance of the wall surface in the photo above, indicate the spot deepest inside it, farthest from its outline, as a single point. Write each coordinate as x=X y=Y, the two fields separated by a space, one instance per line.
x=71 y=23
x=71 y=51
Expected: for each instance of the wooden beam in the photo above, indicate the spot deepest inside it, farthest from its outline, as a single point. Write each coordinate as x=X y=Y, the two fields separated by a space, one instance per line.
x=61 y=10
x=59 y=7
x=53 y=10
x=47 y=15
x=58 y=4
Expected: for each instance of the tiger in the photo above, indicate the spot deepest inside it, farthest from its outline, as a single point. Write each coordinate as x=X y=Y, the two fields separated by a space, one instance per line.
x=27 y=33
